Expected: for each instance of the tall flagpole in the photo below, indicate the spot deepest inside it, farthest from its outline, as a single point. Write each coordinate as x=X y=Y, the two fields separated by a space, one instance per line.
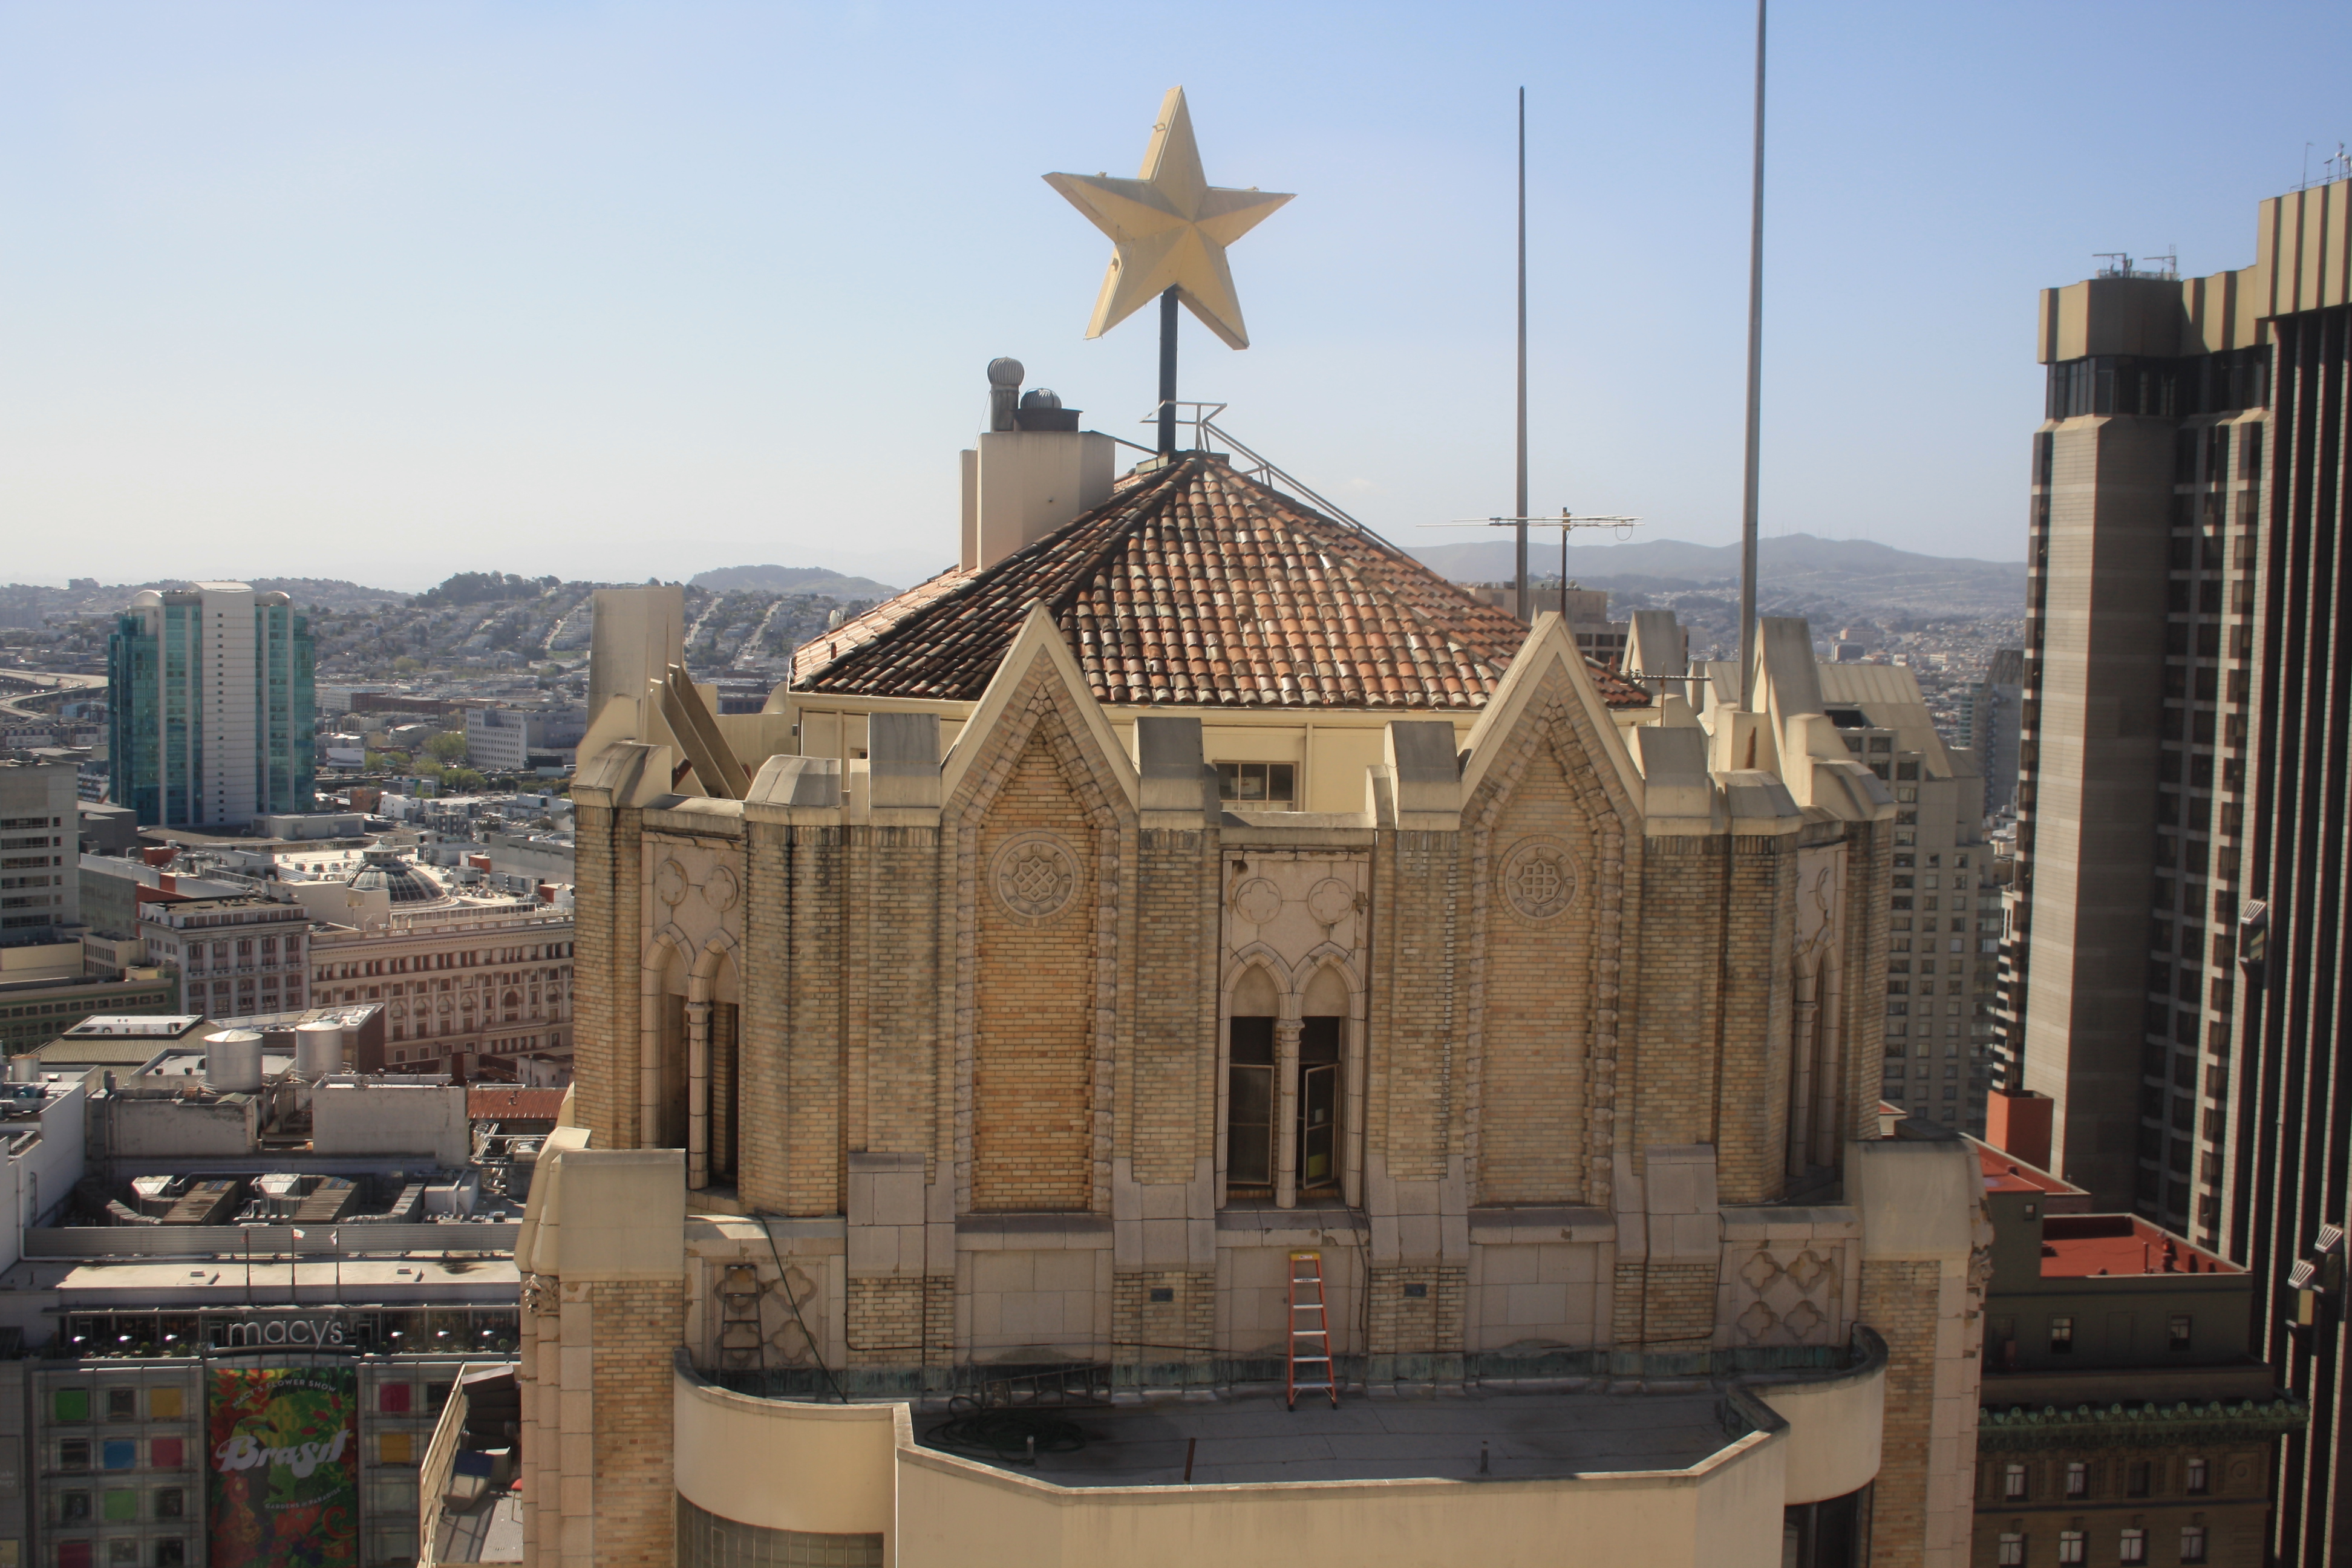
x=1520 y=509
x=1755 y=394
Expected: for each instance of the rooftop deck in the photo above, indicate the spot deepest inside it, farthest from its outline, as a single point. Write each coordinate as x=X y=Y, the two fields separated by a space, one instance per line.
x=1250 y=1439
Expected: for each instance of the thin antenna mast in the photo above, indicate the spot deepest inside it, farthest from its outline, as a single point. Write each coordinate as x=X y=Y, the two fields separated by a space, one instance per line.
x=1520 y=508
x=1755 y=394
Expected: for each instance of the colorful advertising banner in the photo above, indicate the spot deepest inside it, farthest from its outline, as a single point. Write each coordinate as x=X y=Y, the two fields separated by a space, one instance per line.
x=285 y=1453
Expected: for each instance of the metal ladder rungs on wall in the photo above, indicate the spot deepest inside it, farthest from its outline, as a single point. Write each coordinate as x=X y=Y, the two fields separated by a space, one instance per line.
x=1310 y=1367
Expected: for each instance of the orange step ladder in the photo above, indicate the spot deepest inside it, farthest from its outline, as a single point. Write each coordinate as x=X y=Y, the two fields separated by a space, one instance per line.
x=1311 y=1333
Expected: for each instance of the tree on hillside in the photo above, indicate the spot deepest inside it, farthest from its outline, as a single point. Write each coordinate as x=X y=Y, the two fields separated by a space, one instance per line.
x=478 y=588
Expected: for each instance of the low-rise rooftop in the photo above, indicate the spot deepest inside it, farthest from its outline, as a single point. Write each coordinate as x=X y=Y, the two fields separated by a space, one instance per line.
x=135 y=1026
x=2005 y=1173
x=2077 y=1246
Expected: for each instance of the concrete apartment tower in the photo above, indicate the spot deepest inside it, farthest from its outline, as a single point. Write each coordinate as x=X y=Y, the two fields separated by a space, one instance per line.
x=1990 y=709
x=2133 y=740
x=2183 y=789
x=40 y=890
x=213 y=707
x=1943 y=939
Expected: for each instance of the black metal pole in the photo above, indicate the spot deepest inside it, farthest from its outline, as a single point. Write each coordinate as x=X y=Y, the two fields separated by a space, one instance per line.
x=1755 y=394
x=1167 y=373
x=1526 y=611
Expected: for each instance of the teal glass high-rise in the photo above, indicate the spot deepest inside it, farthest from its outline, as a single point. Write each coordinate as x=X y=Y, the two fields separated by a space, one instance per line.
x=213 y=707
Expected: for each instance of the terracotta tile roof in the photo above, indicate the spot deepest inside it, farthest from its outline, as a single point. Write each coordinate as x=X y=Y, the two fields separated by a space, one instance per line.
x=1194 y=587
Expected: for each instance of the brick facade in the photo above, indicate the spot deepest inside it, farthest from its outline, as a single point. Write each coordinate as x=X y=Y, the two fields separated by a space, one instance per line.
x=1900 y=1299
x=635 y=1325
x=1003 y=1010
x=1033 y=1058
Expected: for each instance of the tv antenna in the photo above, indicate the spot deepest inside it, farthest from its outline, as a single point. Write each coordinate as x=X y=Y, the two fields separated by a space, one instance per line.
x=1567 y=522
x=2165 y=267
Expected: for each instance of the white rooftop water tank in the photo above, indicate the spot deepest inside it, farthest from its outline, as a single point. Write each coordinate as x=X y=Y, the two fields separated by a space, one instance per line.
x=318 y=1049
x=232 y=1061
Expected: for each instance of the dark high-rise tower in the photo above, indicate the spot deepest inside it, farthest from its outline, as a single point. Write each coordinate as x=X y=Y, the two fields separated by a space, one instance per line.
x=2185 y=789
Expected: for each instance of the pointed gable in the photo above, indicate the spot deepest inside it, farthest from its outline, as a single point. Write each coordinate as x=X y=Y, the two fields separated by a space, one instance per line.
x=1038 y=674
x=1550 y=675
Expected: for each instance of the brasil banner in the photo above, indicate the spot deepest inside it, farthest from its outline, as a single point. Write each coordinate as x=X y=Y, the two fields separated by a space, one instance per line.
x=285 y=1467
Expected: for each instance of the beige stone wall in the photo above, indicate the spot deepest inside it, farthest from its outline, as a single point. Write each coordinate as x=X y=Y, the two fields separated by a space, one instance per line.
x=1032 y=1049
x=1166 y=1097
x=980 y=1096
x=1416 y=1309
x=605 y=982
x=1714 y=1005
x=1898 y=1299
x=636 y=1326
x=1869 y=865
x=1410 y=1092
x=1535 y=1027
x=1670 y=1076
x=765 y=1160
x=1553 y=849
x=1752 y=1118
x=897 y=1005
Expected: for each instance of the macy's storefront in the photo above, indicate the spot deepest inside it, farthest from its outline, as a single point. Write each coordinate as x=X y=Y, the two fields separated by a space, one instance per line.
x=167 y=1440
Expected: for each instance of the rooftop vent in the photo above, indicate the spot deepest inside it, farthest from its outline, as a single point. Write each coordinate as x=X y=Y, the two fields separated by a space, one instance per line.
x=1004 y=387
x=1041 y=409
x=1032 y=471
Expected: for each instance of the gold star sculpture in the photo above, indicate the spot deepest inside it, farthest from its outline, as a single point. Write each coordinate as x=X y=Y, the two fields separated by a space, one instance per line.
x=1171 y=227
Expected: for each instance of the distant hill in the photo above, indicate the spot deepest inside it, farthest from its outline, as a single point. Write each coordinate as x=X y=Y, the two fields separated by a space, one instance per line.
x=791 y=580
x=1798 y=566
x=25 y=604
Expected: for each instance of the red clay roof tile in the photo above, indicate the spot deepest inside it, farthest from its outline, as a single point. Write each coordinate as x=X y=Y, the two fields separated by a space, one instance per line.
x=1192 y=585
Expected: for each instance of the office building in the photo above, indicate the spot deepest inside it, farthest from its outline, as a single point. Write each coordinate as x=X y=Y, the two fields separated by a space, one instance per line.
x=2125 y=1416
x=1991 y=711
x=239 y=954
x=36 y=1009
x=213 y=707
x=2182 y=797
x=154 y=1360
x=1596 y=637
x=118 y=890
x=40 y=832
x=244 y=1291
x=467 y=984
x=1943 y=942
x=516 y=739
x=48 y=984
x=2139 y=639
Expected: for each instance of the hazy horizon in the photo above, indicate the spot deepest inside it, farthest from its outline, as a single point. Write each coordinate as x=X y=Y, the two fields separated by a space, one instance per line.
x=1544 y=555
x=383 y=294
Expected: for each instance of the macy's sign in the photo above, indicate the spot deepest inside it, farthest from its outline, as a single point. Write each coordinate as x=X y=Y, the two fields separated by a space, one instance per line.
x=322 y=1332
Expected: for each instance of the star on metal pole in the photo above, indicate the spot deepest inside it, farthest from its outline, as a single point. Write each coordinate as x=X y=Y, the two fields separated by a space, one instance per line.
x=1170 y=227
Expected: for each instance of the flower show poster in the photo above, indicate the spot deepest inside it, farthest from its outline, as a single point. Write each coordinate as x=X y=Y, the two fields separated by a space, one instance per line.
x=285 y=1467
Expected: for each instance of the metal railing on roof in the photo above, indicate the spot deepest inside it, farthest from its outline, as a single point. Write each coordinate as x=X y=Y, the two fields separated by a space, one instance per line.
x=1259 y=468
x=347 y=1237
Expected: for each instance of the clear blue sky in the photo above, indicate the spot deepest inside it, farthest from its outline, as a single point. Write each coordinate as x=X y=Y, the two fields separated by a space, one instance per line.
x=386 y=291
